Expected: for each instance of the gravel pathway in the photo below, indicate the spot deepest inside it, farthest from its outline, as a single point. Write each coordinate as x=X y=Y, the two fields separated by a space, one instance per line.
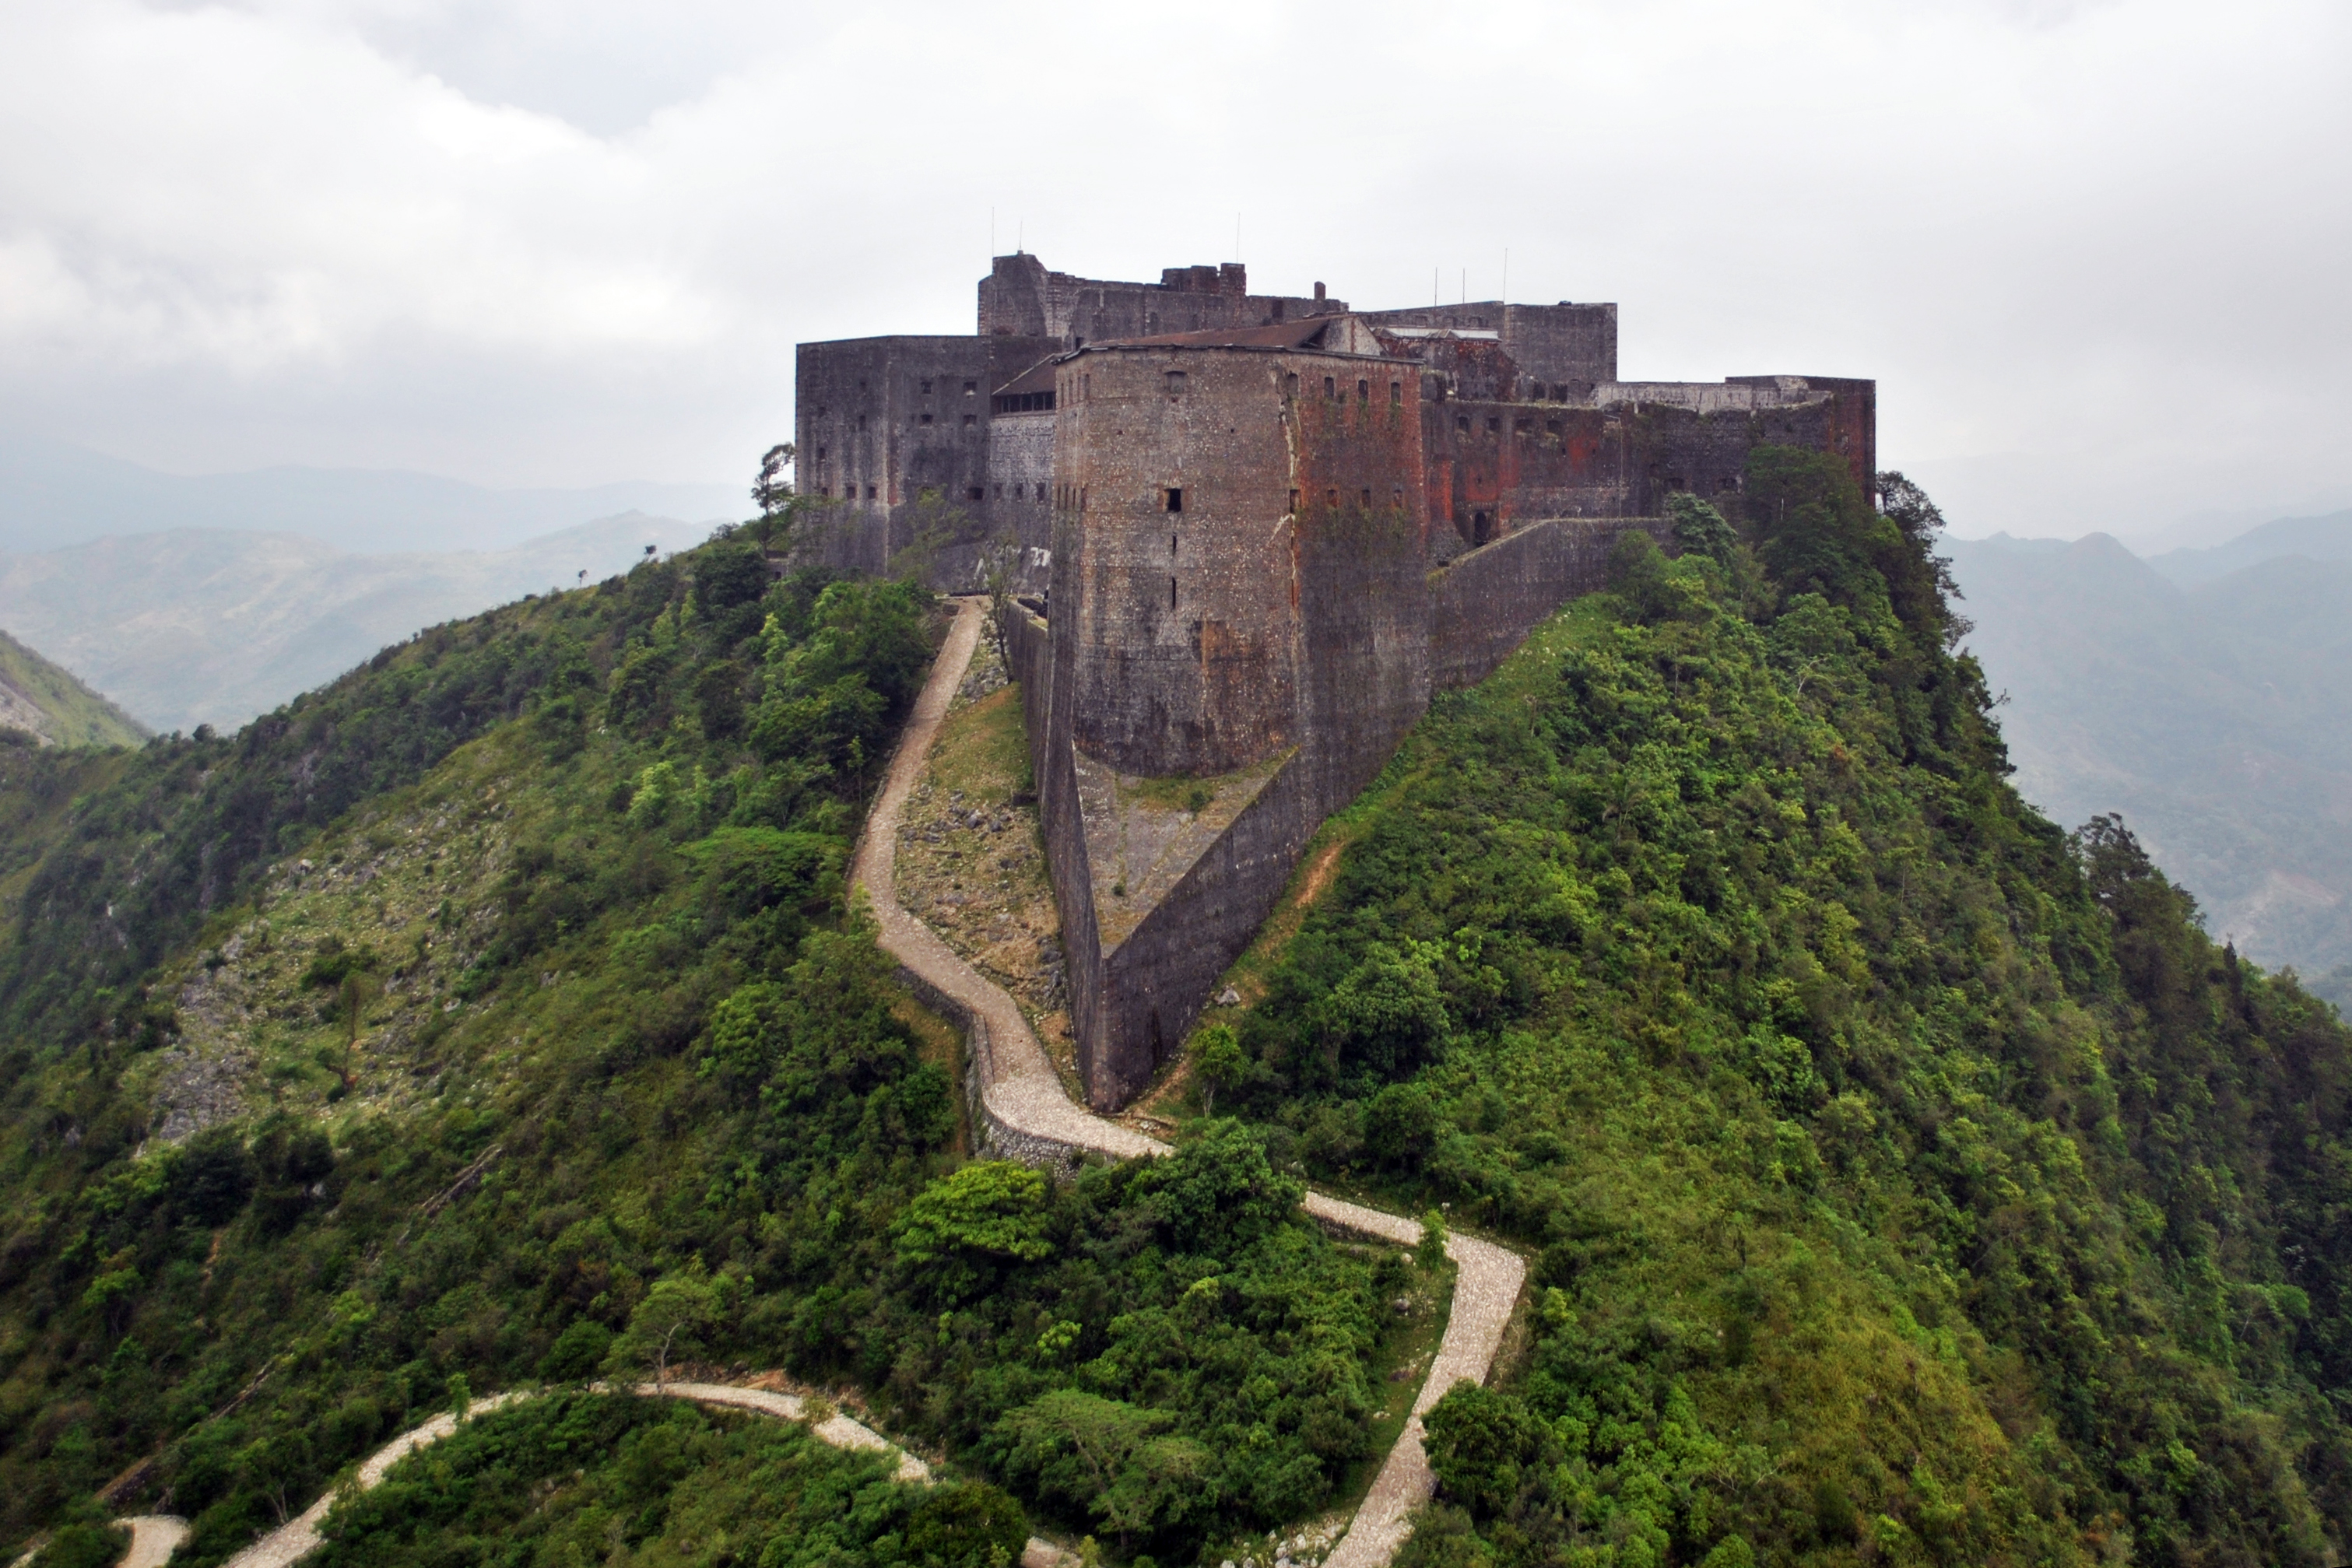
x=154 y=1538
x=1020 y=1094
x=157 y=1536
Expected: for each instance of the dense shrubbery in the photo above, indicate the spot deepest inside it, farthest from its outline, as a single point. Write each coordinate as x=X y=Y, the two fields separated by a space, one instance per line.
x=1905 y=1178
x=576 y=1477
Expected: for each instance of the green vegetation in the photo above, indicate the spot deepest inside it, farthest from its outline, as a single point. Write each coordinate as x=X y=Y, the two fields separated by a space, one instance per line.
x=44 y=699
x=1906 y=1181
x=510 y=993
x=1903 y=1179
x=575 y=1477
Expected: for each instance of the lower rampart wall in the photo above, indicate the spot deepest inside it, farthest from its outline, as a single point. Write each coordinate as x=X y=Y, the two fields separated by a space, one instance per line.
x=1132 y=1009
x=1046 y=715
x=1158 y=980
x=1483 y=606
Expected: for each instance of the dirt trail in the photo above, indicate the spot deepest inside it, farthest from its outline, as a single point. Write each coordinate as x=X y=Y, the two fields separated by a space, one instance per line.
x=1021 y=1095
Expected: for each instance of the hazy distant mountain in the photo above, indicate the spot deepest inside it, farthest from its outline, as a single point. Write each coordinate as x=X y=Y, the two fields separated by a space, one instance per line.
x=2317 y=539
x=2205 y=696
x=53 y=496
x=44 y=700
x=212 y=626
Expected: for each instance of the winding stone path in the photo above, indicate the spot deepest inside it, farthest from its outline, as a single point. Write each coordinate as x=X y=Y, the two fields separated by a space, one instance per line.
x=297 y=1537
x=1029 y=1115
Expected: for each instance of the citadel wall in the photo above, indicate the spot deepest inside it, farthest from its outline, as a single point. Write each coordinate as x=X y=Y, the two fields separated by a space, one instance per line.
x=894 y=436
x=1019 y=298
x=1267 y=529
x=1560 y=349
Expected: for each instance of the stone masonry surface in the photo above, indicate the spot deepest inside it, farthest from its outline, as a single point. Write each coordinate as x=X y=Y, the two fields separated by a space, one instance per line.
x=1027 y=1116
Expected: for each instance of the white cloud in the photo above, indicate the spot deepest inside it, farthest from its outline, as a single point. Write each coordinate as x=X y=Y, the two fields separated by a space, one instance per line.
x=531 y=241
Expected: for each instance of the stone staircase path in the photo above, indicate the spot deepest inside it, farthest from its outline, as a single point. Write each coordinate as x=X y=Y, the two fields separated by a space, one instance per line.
x=1030 y=1114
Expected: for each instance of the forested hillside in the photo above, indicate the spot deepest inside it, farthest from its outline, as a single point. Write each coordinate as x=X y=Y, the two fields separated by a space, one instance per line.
x=1903 y=1179
x=42 y=702
x=1908 y=1180
x=494 y=1017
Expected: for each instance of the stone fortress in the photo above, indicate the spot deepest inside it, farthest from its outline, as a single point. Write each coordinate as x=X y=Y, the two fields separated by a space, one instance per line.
x=1253 y=533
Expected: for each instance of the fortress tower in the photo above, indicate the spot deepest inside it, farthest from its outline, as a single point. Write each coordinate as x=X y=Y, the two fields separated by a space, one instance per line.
x=1263 y=530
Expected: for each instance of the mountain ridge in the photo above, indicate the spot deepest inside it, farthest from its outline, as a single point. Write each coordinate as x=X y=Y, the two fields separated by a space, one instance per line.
x=54 y=495
x=212 y=626
x=44 y=699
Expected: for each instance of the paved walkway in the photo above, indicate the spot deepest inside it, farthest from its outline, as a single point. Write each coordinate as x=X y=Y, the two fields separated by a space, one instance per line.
x=1022 y=1096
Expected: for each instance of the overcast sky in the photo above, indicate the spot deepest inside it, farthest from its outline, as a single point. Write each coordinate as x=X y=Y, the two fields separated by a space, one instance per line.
x=2095 y=253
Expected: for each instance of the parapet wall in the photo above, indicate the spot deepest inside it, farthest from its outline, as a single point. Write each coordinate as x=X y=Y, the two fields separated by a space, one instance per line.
x=1483 y=606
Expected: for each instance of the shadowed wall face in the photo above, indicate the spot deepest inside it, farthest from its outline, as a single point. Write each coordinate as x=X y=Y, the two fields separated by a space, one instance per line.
x=894 y=439
x=1174 y=566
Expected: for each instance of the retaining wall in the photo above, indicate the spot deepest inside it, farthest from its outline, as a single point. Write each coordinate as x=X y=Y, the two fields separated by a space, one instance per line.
x=1483 y=606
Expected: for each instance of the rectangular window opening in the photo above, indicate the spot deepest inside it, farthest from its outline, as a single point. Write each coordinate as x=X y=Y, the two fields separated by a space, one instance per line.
x=1290 y=384
x=1331 y=497
x=1175 y=499
x=925 y=419
x=926 y=389
x=1175 y=382
x=971 y=419
x=1294 y=503
x=975 y=494
x=1363 y=392
x=970 y=388
x=1396 y=393
x=1171 y=593
x=1368 y=499
x=1330 y=387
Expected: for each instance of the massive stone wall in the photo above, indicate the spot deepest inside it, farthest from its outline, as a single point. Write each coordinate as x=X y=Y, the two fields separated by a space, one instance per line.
x=1485 y=603
x=894 y=442
x=1555 y=346
x=1021 y=489
x=1175 y=624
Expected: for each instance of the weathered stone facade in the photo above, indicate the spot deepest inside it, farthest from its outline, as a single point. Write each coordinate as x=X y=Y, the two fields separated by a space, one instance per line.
x=1266 y=530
